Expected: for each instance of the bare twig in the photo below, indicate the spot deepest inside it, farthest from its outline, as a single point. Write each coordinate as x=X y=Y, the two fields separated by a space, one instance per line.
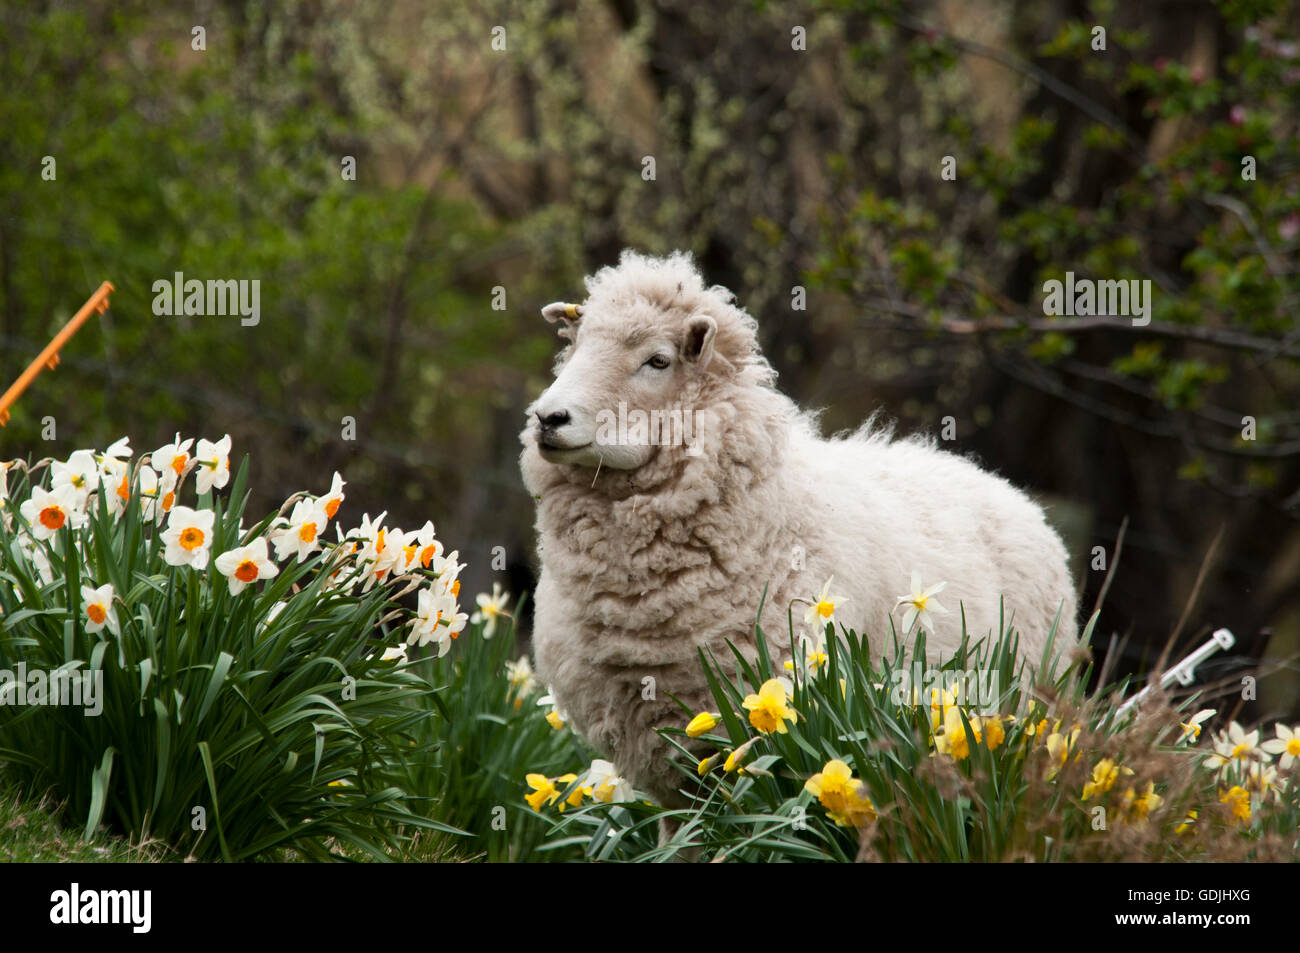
x=1114 y=562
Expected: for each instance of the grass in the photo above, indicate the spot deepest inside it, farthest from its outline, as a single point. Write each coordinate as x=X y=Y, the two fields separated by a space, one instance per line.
x=36 y=830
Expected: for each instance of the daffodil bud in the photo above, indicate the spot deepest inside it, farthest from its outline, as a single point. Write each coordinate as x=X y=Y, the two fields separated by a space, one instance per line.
x=735 y=758
x=701 y=724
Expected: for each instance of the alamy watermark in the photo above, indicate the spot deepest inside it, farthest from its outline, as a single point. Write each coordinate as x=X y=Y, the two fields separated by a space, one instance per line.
x=78 y=688
x=969 y=688
x=1087 y=298
x=654 y=428
x=214 y=297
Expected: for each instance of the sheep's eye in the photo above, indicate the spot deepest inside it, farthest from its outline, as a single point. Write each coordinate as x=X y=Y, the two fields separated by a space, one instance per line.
x=659 y=362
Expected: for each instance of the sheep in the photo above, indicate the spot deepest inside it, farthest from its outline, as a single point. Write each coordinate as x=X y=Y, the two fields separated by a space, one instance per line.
x=652 y=549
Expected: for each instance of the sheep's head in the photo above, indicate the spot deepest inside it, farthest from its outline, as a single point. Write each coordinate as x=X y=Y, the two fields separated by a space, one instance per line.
x=644 y=349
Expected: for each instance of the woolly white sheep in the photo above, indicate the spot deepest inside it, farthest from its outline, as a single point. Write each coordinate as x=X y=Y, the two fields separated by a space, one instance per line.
x=653 y=545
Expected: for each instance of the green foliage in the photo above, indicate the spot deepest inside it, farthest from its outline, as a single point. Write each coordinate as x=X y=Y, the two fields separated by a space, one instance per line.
x=486 y=733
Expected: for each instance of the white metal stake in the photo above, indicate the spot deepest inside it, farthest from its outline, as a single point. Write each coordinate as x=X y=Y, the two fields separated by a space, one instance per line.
x=1185 y=671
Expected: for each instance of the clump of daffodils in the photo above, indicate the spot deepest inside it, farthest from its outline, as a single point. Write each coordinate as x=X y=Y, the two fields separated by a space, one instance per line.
x=76 y=495
x=601 y=783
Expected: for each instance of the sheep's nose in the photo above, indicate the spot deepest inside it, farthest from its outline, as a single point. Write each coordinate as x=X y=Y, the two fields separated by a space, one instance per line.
x=553 y=421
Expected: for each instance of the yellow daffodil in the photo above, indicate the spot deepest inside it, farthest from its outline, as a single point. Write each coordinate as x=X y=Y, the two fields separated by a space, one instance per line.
x=813 y=652
x=1104 y=775
x=1034 y=729
x=994 y=733
x=769 y=709
x=544 y=791
x=843 y=795
x=574 y=797
x=1238 y=800
x=706 y=764
x=702 y=724
x=1058 y=747
x=940 y=701
x=1136 y=807
x=1187 y=824
x=1192 y=727
x=736 y=758
x=954 y=740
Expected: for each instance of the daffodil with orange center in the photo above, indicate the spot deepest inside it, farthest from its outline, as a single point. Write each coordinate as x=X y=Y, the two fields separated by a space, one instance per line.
x=246 y=564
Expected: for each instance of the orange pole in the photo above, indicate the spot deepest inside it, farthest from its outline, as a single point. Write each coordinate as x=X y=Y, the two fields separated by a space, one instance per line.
x=50 y=356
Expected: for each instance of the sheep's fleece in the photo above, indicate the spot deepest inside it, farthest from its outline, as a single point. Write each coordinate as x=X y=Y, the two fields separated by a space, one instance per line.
x=649 y=553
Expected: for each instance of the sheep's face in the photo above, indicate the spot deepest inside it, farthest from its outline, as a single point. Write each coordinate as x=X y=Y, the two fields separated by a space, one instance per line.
x=617 y=396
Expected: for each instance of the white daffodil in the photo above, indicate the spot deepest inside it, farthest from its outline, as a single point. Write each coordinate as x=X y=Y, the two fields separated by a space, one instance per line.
x=213 y=461
x=1235 y=746
x=48 y=511
x=421 y=547
x=437 y=619
x=490 y=608
x=81 y=472
x=114 y=463
x=146 y=486
x=812 y=652
x=1261 y=780
x=556 y=718
x=36 y=556
x=379 y=549
x=606 y=784
x=245 y=564
x=520 y=675
x=822 y=610
x=920 y=603
x=188 y=537
x=271 y=614
x=395 y=653
x=332 y=500
x=171 y=459
x=119 y=449
x=447 y=567
x=1192 y=727
x=299 y=535
x=99 y=608
x=1287 y=744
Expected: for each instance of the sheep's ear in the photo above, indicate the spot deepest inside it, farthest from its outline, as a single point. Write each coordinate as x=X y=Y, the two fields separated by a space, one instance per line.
x=565 y=312
x=698 y=346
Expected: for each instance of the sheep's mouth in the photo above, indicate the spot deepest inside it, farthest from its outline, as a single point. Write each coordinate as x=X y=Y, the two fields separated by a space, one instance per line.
x=549 y=448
